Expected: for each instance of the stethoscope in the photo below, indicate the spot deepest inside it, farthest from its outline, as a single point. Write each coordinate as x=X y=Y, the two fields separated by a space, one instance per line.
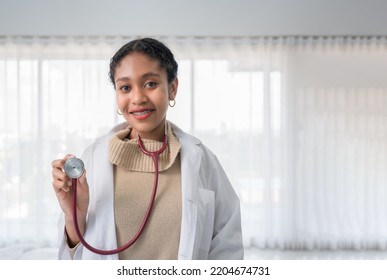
x=74 y=168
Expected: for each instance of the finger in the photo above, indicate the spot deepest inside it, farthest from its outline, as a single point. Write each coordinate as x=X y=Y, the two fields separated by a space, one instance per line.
x=82 y=180
x=60 y=186
x=59 y=163
x=68 y=156
x=58 y=174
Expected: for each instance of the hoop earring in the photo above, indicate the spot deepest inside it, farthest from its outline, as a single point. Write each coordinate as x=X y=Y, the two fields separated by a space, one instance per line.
x=118 y=112
x=173 y=103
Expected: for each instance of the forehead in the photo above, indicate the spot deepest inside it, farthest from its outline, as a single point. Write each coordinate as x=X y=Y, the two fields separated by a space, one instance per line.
x=138 y=62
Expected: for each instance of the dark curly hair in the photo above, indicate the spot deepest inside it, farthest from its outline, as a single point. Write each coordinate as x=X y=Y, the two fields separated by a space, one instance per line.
x=152 y=48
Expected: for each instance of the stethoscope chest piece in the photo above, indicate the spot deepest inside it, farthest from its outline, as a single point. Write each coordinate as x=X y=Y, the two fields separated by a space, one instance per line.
x=74 y=167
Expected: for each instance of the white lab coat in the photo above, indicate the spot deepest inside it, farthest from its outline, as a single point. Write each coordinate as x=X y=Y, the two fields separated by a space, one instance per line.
x=211 y=221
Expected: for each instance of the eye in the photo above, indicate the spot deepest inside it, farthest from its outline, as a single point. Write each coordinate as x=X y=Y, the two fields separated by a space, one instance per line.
x=150 y=84
x=125 y=88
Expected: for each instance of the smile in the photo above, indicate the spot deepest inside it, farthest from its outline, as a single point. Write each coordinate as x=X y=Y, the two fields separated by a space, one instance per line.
x=140 y=113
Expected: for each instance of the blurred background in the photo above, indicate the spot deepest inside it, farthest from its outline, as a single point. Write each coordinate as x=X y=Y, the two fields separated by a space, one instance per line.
x=290 y=95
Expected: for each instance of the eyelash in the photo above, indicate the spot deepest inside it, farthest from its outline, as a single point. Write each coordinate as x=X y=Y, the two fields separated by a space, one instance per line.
x=153 y=84
x=122 y=88
x=126 y=88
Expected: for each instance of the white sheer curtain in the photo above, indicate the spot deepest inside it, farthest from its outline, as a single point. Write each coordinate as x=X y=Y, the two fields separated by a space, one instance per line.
x=52 y=93
x=299 y=124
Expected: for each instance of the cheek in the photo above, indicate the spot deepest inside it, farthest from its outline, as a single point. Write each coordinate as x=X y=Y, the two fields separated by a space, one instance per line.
x=164 y=104
x=120 y=100
x=164 y=99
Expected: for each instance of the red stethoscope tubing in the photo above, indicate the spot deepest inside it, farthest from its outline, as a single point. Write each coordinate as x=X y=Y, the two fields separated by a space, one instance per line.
x=155 y=157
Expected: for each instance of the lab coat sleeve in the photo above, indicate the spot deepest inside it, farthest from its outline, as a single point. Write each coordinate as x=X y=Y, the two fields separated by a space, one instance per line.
x=65 y=253
x=227 y=235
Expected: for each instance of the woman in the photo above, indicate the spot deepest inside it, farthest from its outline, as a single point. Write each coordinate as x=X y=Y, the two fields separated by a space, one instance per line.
x=196 y=213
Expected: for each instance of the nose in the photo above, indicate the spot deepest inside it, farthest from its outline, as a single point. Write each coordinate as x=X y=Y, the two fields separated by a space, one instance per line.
x=138 y=96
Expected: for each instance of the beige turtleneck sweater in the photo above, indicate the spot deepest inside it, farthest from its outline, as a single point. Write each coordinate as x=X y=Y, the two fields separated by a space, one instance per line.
x=134 y=175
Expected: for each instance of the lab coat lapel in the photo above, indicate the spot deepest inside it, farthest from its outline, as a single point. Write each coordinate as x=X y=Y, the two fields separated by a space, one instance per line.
x=190 y=163
x=102 y=197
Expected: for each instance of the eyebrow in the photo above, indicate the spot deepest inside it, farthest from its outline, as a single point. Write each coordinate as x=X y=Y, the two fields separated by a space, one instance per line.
x=145 y=76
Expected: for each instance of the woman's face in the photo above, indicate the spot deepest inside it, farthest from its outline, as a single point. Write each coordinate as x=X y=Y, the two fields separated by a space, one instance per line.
x=143 y=93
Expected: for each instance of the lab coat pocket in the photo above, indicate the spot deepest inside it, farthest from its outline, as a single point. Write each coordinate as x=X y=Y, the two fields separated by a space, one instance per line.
x=205 y=222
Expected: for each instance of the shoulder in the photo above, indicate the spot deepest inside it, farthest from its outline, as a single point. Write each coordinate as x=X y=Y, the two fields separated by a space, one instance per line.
x=184 y=136
x=192 y=143
x=188 y=141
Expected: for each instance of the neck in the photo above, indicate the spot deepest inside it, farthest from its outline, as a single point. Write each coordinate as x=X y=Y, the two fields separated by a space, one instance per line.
x=157 y=134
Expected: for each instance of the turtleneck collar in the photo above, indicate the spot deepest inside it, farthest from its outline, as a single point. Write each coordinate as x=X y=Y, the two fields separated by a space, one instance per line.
x=126 y=153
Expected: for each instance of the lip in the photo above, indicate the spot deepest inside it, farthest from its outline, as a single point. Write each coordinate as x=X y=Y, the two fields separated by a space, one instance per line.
x=142 y=113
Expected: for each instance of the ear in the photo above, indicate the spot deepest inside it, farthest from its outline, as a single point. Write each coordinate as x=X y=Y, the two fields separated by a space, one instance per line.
x=173 y=89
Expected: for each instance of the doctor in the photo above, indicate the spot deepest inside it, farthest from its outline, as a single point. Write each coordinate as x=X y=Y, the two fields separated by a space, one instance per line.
x=196 y=213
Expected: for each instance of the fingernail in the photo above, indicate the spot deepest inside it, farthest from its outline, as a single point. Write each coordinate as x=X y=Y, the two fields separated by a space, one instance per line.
x=69 y=183
x=66 y=189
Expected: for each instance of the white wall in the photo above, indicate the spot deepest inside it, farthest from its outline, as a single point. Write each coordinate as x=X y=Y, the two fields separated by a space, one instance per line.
x=193 y=17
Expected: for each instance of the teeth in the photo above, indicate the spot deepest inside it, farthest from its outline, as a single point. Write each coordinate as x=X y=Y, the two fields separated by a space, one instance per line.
x=141 y=113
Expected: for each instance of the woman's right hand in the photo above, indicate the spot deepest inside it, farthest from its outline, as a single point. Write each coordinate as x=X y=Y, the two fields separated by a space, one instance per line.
x=63 y=190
